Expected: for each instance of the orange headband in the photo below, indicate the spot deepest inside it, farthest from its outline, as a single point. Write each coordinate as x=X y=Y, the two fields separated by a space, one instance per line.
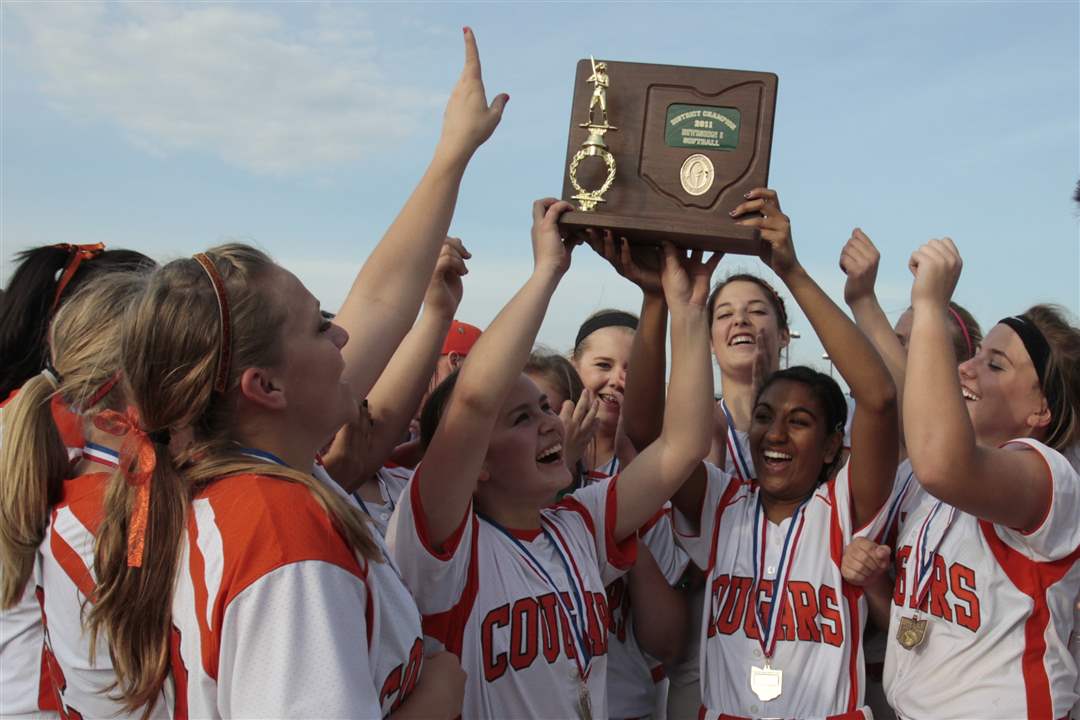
x=221 y=382
x=76 y=255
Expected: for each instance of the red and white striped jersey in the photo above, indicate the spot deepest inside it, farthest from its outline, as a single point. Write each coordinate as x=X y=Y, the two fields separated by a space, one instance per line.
x=999 y=608
x=274 y=616
x=81 y=682
x=819 y=627
x=520 y=608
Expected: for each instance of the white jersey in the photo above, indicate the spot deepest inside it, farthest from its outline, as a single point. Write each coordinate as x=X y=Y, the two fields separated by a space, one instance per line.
x=391 y=480
x=524 y=610
x=25 y=688
x=633 y=673
x=819 y=628
x=81 y=682
x=274 y=616
x=999 y=608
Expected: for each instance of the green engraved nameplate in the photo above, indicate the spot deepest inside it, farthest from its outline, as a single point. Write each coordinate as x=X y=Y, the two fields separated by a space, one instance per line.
x=702 y=126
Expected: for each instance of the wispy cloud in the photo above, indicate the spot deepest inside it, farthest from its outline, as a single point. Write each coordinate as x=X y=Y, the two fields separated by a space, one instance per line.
x=266 y=92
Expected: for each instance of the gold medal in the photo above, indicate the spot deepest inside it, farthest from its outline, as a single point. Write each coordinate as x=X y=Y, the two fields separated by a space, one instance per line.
x=911 y=633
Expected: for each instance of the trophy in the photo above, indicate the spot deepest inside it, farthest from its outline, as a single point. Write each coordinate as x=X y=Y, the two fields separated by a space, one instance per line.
x=658 y=152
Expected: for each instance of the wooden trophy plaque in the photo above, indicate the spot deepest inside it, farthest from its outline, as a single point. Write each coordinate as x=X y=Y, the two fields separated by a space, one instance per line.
x=659 y=152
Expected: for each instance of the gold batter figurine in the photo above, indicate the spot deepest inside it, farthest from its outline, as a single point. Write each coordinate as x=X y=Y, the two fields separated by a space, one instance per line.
x=599 y=79
x=594 y=145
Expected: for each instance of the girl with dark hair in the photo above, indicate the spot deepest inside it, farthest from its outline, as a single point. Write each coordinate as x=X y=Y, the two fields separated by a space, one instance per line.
x=492 y=562
x=233 y=567
x=781 y=629
x=44 y=277
x=986 y=571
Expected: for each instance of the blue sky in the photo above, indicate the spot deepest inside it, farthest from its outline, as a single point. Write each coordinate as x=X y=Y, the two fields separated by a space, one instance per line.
x=302 y=127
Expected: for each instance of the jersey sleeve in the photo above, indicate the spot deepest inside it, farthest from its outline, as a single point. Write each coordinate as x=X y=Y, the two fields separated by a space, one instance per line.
x=597 y=504
x=659 y=536
x=435 y=576
x=294 y=644
x=695 y=535
x=1059 y=533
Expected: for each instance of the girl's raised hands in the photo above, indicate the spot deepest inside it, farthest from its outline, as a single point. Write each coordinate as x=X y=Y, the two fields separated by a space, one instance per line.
x=936 y=267
x=550 y=251
x=469 y=119
x=775 y=228
x=686 y=278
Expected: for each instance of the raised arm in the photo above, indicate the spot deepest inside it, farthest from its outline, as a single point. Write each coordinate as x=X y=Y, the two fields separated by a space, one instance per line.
x=1000 y=485
x=398 y=391
x=859 y=260
x=455 y=456
x=386 y=294
x=874 y=433
x=643 y=396
x=662 y=468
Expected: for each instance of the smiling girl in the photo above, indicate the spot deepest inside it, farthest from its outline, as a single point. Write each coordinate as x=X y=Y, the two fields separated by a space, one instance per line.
x=507 y=581
x=986 y=561
x=781 y=629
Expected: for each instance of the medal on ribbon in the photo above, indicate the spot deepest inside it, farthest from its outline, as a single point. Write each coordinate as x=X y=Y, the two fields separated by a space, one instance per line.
x=919 y=571
x=768 y=682
x=579 y=623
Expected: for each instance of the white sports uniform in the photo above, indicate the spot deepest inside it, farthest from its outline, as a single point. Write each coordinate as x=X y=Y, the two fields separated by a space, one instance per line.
x=25 y=689
x=632 y=673
x=999 y=607
x=818 y=628
x=274 y=616
x=391 y=480
x=525 y=611
x=685 y=689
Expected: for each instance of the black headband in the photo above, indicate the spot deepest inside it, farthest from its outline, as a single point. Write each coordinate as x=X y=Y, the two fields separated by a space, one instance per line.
x=615 y=318
x=1034 y=342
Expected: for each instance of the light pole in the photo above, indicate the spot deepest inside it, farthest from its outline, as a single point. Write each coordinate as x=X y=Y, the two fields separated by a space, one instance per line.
x=825 y=356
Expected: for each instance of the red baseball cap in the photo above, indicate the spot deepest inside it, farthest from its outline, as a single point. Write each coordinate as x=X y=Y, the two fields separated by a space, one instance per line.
x=460 y=338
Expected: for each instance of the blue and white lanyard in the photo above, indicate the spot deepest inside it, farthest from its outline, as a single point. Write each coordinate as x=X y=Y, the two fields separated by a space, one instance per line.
x=742 y=466
x=578 y=620
x=767 y=630
x=263 y=455
x=892 y=516
x=921 y=562
x=382 y=491
x=101 y=454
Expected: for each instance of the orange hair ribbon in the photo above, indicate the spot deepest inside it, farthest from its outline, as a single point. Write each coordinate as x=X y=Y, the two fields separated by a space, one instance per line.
x=137 y=463
x=76 y=255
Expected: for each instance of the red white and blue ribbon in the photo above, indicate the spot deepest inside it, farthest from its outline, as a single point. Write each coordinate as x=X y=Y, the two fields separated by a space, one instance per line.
x=767 y=626
x=579 y=622
x=920 y=564
x=101 y=455
x=742 y=466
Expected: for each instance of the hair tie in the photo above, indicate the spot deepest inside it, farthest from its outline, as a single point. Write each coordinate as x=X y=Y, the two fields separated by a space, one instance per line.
x=963 y=329
x=614 y=318
x=51 y=375
x=221 y=382
x=137 y=462
x=76 y=255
